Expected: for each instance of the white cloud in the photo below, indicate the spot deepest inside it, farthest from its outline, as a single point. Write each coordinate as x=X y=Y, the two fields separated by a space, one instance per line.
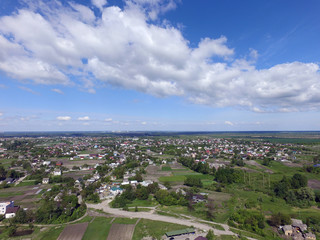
x=144 y=123
x=86 y=118
x=63 y=118
x=1 y=114
x=228 y=123
x=108 y=120
x=123 y=48
x=28 y=90
x=57 y=90
x=99 y=3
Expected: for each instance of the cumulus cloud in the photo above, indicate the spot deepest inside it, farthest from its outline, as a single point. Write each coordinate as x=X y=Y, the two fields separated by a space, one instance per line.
x=108 y=120
x=86 y=118
x=64 y=118
x=122 y=48
x=144 y=123
x=1 y=114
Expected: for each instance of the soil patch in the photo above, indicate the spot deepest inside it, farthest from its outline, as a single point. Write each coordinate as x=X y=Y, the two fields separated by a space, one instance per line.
x=314 y=184
x=73 y=232
x=121 y=232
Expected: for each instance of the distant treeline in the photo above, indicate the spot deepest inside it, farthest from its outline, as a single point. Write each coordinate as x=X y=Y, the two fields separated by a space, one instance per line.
x=271 y=136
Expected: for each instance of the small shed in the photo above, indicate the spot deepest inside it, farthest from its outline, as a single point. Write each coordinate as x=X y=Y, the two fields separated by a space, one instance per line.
x=180 y=232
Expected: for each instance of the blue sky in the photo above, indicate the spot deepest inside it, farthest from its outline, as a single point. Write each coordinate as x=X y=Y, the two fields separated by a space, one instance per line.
x=159 y=65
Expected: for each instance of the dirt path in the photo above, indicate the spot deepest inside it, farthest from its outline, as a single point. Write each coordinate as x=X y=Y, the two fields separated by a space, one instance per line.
x=147 y=215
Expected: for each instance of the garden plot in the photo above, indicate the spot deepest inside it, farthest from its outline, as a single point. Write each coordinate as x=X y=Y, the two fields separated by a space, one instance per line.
x=73 y=232
x=121 y=231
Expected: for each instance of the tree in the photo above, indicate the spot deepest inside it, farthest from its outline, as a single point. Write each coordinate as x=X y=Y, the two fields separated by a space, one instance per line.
x=298 y=181
x=210 y=235
x=193 y=182
x=279 y=218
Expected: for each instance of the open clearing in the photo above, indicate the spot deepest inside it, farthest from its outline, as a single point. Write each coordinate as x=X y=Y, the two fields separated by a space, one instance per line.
x=121 y=232
x=73 y=232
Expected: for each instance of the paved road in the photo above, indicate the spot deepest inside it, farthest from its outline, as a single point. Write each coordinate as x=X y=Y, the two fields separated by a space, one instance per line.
x=152 y=216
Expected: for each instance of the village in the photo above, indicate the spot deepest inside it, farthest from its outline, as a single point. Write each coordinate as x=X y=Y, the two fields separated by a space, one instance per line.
x=95 y=169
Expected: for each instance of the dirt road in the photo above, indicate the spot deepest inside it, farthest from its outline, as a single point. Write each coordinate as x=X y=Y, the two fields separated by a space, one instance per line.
x=152 y=216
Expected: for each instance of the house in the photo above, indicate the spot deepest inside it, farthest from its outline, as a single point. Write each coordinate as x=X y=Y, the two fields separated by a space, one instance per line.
x=180 y=232
x=287 y=229
x=4 y=205
x=298 y=224
x=45 y=180
x=116 y=190
x=198 y=198
x=11 y=211
x=309 y=236
x=57 y=172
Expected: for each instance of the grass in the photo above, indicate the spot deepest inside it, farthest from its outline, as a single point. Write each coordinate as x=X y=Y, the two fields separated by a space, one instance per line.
x=52 y=233
x=10 y=194
x=166 y=168
x=155 y=229
x=143 y=203
x=98 y=229
x=172 y=178
x=26 y=183
x=85 y=219
x=140 y=209
x=125 y=220
x=216 y=226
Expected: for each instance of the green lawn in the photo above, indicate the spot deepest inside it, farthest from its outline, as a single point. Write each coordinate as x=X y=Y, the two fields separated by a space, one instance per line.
x=9 y=194
x=98 y=229
x=166 y=168
x=26 y=183
x=155 y=229
x=125 y=220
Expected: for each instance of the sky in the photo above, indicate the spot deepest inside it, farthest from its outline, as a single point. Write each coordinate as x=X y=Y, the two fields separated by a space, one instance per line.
x=159 y=65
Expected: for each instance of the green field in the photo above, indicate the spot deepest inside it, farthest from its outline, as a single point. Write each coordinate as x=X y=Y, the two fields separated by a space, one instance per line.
x=50 y=233
x=98 y=229
x=26 y=183
x=155 y=229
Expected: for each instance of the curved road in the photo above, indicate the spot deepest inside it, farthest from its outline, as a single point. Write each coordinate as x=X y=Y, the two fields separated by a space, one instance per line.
x=147 y=215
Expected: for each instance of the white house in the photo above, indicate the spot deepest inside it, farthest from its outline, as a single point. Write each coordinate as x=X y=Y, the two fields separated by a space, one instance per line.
x=57 y=172
x=11 y=211
x=4 y=205
x=45 y=180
